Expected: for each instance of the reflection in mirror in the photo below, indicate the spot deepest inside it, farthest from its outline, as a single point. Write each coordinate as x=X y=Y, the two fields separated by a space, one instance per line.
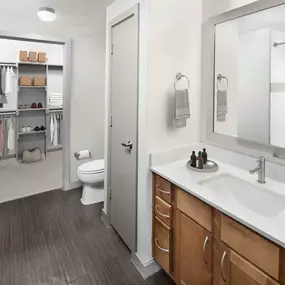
x=250 y=77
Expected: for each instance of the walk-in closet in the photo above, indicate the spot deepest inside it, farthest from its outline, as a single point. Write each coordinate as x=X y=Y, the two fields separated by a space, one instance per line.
x=31 y=117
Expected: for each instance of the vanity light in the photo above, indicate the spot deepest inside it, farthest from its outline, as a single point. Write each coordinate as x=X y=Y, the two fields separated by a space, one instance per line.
x=46 y=14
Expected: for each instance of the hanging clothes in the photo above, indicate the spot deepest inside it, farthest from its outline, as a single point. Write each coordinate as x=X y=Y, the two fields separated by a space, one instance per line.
x=51 y=128
x=9 y=80
x=1 y=136
x=55 y=139
x=11 y=135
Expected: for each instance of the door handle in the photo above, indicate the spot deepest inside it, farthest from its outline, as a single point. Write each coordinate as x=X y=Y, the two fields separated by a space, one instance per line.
x=128 y=145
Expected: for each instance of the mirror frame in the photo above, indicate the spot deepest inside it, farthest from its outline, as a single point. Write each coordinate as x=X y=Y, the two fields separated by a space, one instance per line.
x=272 y=153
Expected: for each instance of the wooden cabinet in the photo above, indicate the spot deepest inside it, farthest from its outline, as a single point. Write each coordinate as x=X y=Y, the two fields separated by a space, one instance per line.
x=230 y=268
x=161 y=245
x=195 y=253
x=198 y=245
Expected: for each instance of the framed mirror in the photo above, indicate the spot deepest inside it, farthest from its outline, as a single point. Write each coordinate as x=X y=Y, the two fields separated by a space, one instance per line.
x=244 y=78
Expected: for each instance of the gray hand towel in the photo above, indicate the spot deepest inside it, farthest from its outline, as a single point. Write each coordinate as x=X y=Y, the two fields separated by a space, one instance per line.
x=182 y=107
x=222 y=105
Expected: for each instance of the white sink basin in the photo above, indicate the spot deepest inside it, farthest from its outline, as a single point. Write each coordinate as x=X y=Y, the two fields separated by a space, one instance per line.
x=260 y=200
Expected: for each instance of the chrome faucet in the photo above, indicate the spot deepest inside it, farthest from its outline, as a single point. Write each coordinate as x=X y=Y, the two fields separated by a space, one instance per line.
x=261 y=170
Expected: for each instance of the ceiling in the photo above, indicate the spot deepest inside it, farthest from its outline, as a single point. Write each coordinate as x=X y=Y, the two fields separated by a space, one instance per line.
x=84 y=14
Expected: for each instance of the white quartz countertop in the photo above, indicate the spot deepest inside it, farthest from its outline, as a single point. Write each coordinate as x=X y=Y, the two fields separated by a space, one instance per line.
x=270 y=226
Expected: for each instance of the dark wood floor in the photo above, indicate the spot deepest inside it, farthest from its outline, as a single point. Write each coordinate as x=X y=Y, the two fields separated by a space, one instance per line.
x=51 y=238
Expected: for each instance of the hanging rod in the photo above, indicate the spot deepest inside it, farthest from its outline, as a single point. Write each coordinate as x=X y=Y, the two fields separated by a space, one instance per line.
x=55 y=111
x=8 y=64
x=7 y=113
x=278 y=44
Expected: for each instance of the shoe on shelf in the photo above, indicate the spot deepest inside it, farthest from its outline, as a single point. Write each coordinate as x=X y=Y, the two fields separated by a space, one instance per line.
x=42 y=128
x=29 y=129
x=26 y=106
x=40 y=105
x=34 y=105
x=37 y=129
x=20 y=106
x=23 y=130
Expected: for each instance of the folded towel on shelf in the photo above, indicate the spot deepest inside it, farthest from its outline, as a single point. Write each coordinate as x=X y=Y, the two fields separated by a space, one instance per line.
x=55 y=100
x=222 y=105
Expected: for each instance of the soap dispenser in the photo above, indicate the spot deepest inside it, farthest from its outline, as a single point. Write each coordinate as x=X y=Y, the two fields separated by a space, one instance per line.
x=204 y=156
x=193 y=159
x=200 y=160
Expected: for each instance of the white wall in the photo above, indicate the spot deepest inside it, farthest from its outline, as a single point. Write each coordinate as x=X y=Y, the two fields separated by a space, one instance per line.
x=9 y=50
x=83 y=22
x=174 y=46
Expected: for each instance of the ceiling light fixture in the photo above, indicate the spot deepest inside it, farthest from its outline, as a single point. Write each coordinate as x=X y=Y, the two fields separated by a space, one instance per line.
x=47 y=14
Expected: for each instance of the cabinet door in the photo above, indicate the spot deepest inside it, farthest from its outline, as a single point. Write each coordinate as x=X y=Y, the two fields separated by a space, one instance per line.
x=161 y=245
x=221 y=263
x=243 y=272
x=229 y=268
x=196 y=253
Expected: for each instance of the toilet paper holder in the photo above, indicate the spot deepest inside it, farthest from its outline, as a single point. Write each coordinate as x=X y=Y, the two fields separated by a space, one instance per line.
x=77 y=155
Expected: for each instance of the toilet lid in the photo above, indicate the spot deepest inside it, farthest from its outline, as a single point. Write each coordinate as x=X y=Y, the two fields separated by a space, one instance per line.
x=95 y=166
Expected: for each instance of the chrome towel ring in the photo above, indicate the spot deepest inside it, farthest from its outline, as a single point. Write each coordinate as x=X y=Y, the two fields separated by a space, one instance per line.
x=220 y=77
x=178 y=77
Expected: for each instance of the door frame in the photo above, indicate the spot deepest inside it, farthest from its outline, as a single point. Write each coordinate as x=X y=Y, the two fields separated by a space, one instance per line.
x=67 y=44
x=133 y=11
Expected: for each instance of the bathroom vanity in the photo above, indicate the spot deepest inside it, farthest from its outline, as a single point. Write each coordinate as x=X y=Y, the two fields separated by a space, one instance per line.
x=227 y=228
x=203 y=236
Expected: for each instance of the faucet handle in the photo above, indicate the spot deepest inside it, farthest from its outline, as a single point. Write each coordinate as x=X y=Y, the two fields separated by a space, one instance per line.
x=261 y=159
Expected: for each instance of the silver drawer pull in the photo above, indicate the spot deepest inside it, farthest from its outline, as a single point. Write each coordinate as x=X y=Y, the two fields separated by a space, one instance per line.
x=163 y=215
x=162 y=249
x=161 y=191
x=222 y=265
x=204 y=248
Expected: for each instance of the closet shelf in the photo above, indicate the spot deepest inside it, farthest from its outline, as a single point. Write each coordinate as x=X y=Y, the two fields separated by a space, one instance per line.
x=32 y=86
x=32 y=109
x=32 y=133
x=31 y=63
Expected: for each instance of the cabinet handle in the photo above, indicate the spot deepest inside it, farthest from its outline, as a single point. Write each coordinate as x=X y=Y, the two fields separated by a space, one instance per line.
x=222 y=265
x=204 y=248
x=182 y=282
x=160 y=190
x=162 y=249
x=163 y=215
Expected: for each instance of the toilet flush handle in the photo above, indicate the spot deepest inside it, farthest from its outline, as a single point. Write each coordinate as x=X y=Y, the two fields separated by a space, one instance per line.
x=128 y=145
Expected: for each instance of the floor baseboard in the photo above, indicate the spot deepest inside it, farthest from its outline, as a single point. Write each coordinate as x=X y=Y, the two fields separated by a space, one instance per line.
x=145 y=270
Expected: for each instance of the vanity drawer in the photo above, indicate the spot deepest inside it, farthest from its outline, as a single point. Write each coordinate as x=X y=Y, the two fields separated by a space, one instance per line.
x=161 y=244
x=258 y=250
x=163 y=188
x=163 y=211
x=194 y=208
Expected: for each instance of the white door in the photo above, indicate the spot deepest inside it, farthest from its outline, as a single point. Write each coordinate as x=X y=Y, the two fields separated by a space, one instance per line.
x=124 y=112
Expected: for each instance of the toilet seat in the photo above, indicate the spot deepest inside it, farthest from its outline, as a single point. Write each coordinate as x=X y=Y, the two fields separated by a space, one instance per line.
x=92 y=167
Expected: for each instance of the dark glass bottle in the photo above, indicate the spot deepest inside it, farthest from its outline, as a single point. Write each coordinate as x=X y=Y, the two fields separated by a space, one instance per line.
x=193 y=159
x=200 y=160
x=204 y=156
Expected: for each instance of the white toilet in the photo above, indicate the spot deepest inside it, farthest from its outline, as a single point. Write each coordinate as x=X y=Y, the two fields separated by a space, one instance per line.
x=91 y=174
